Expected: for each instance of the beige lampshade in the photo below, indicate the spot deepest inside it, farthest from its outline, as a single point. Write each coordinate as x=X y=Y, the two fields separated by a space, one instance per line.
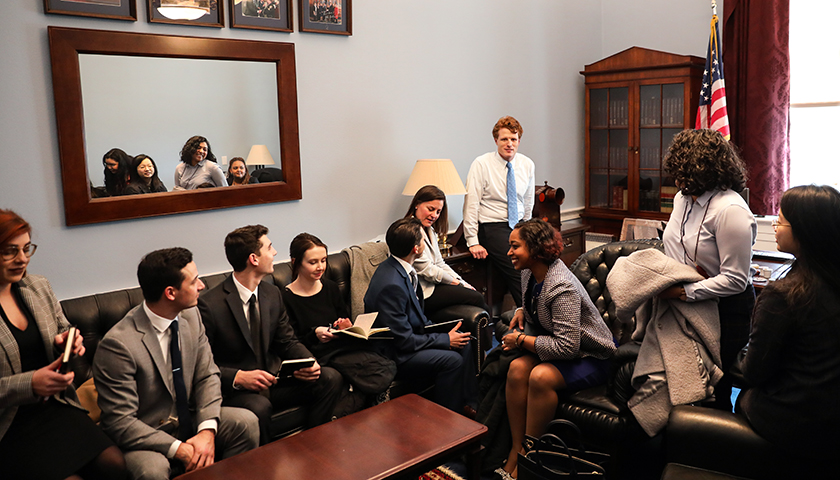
x=439 y=172
x=259 y=156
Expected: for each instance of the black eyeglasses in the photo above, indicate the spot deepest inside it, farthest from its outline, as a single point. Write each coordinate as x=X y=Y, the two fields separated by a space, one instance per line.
x=11 y=251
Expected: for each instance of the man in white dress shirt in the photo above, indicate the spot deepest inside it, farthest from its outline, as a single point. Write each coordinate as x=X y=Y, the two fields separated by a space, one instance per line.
x=500 y=193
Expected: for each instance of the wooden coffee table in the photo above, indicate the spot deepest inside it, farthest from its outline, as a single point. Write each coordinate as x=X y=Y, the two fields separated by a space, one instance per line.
x=402 y=438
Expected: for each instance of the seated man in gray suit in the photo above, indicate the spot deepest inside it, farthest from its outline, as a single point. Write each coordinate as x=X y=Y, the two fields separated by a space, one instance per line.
x=159 y=389
x=249 y=331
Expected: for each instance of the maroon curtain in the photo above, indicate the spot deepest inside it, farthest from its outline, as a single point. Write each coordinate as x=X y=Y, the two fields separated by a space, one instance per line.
x=756 y=63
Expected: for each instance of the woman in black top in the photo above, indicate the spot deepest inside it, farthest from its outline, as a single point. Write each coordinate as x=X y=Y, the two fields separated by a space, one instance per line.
x=144 y=176
x=791 y=364
x=314 y=303
x=44 y=431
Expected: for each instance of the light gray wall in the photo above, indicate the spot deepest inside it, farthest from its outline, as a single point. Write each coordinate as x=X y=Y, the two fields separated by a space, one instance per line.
x=423 y=79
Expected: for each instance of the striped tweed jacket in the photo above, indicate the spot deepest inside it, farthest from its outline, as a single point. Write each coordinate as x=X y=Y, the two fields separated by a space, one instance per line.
x=16 y=386
x=566 y=313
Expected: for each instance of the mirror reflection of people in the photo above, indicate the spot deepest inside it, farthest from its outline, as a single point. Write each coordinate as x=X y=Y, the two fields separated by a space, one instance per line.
x=144 y=176
x=198 y=166
x=790 y=364
x=238 y=173
x=44 y=431
x=117 y=171
x=442 y=287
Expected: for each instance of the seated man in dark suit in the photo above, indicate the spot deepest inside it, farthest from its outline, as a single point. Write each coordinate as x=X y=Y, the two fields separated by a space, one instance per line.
x=393 y=292
x=250 y=334
x=159 y=389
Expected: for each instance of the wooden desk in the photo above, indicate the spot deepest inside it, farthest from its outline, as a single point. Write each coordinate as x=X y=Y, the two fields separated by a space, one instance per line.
x=399 y=439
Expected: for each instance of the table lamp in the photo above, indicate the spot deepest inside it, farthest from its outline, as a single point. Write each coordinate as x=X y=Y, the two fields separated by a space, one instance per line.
x=441 y=173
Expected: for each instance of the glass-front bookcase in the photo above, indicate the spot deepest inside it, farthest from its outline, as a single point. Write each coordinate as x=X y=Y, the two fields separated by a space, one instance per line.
x=636 y=101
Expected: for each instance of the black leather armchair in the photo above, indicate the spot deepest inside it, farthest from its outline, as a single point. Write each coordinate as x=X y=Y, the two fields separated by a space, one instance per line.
x=725 y=443
x=95 y=314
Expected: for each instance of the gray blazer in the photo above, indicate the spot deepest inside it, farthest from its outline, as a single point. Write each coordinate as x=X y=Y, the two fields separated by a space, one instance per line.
x=15 y=385
x=136 y=392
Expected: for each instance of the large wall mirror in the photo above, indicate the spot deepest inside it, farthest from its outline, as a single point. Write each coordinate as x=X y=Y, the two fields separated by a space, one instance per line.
x=148 y=93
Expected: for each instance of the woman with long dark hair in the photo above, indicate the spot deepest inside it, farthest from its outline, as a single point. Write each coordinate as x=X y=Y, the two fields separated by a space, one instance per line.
x=565 y=342
x=44 y=431
x=712 y=229
x=117 y=165
x=791 y=363
x=144 y=176
x=198 y=166
x=442 y=287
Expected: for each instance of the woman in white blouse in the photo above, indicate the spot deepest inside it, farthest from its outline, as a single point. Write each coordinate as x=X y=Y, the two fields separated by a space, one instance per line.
x=442 y=287
x=198 y=166
x=712 y=229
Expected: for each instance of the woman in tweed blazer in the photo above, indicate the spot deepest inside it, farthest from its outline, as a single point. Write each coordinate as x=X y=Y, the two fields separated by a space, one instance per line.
x=44 y=431
x=565 y=341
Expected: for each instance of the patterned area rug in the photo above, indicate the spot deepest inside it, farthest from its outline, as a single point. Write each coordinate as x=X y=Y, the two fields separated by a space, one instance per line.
x=440 y=473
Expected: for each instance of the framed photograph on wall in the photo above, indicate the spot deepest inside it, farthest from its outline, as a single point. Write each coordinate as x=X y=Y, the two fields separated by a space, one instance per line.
x=210 y=12
x=115 y=9
x=273 y=15
x=326 y=16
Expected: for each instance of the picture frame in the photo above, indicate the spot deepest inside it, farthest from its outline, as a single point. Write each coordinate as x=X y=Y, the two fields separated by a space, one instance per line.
x=112 y=9
x=326 y=16
x=215 y=19
x=273 y=15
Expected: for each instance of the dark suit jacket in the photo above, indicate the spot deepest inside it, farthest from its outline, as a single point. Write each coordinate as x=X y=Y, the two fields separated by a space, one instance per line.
x=16 y=385
x=390 y=293
x=135 y=386
x=230 y=336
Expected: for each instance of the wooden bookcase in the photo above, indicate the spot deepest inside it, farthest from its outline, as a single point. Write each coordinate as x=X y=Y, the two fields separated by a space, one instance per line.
x=636 y=101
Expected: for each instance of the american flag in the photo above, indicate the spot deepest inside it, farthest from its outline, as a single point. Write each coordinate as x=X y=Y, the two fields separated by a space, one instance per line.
x=711 y=113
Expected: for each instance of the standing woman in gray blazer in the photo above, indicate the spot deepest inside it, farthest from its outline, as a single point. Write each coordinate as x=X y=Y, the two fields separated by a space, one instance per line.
x=44 y=431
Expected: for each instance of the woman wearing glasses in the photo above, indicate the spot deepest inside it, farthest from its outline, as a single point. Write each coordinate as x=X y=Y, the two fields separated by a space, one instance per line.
x=791 y=364
x=44 y=431
x=712 y=229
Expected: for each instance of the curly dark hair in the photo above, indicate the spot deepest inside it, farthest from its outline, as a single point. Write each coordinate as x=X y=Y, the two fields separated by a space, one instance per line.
x=191 y=146
x=702 y=160
x=543 y=241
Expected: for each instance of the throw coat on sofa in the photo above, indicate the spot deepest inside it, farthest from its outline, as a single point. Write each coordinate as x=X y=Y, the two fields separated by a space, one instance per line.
x=679 y=360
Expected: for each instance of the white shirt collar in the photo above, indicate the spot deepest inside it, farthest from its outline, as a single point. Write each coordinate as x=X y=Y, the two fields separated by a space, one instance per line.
x=159 y=323
x=407 y=266
x=503 y=161
x=244 y=293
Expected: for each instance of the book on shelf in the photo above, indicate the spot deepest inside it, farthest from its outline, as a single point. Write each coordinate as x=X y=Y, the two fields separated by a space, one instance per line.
x=619 y=199
x=363 y=327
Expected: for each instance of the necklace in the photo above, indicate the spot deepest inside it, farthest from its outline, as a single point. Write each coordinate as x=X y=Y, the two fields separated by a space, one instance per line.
x=686 y=257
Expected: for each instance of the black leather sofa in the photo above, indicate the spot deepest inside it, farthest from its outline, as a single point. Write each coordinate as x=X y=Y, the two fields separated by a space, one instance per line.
x=95 y=314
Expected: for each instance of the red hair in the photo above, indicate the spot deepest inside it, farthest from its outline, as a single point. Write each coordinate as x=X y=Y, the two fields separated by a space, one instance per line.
x=12 y=225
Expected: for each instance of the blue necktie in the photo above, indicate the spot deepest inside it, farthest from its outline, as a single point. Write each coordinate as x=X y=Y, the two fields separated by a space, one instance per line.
x=181 y=400
x=513 y=210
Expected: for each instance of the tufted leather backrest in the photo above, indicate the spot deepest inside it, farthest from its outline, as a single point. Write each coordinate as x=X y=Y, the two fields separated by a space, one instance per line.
x=95 y=314
x=592 y=268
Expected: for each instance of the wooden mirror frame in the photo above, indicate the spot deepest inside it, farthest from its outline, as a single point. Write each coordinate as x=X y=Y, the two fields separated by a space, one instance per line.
x=79 y=208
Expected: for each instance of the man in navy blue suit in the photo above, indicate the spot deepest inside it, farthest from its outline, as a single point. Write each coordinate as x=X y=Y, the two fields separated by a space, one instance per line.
x=395 y=294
